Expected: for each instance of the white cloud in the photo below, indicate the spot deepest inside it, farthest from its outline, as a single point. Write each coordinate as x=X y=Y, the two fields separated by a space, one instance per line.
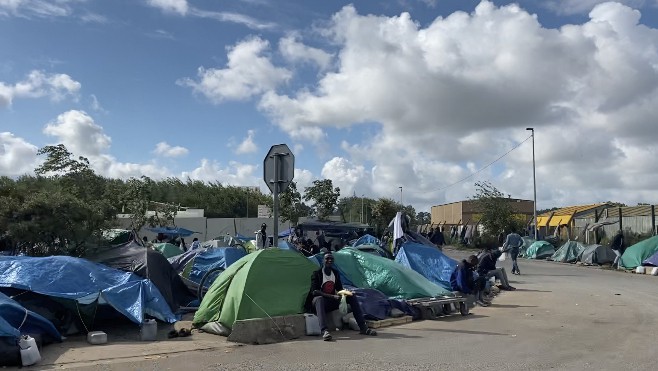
x=570 y=7
x=17 y=157
x=295 y=51
x=166 y=150
x=231 y=17
x=39 y=84
x=170 y=6
x=37 y=8
x=79 y=133
x=84 y=137
x=452 y=96
x=344 y=174
x=248 y=73
x=96 y=105
x=183 y=8
x=236 y=174
x=247 y=145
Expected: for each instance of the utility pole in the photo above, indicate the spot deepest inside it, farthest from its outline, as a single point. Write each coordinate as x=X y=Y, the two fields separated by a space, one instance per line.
x=401 y=197
x=534 y=182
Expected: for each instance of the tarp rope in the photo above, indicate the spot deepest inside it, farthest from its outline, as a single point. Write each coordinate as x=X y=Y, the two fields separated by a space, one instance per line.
x=267 y=314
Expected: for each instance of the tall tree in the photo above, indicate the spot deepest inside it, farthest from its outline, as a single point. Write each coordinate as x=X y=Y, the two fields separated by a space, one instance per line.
x=495 y=209
x=325 y=196
x=423 y=218
x=383 y=212
x=290 y=204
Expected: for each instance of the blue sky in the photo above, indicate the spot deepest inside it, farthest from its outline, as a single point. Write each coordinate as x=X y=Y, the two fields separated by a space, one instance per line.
x=371 y=94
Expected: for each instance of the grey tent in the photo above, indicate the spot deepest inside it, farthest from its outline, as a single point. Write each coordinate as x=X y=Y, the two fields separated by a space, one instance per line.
x=569 y=252
x=597 y=254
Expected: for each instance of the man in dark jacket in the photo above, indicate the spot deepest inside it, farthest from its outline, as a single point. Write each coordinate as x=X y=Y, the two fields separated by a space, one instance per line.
x=618 y=246
x=487 y=269
x=325 y=286
x=463 y=280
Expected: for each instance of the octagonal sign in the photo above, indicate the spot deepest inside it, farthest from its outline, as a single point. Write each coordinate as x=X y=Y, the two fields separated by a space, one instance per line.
x=278 y=167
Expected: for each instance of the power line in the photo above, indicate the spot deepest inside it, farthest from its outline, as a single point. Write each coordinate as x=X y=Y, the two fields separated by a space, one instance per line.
x=480 y=170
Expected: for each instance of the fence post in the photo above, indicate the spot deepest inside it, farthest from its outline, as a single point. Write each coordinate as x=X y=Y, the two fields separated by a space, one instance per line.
x=653 y=220
x=621 y=224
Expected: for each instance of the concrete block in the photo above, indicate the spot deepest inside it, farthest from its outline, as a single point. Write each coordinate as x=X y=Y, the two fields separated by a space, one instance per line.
x=268 y=330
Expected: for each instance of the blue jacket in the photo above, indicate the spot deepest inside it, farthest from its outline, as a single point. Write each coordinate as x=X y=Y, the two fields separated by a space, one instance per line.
x=462 y=278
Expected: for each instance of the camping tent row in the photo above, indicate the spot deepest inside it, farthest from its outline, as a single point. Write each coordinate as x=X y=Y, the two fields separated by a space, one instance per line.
x=276 y=282
x=574 y=251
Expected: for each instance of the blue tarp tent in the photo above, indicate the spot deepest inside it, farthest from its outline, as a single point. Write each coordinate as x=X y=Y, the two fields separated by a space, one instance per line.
x=193 y=265
x=15 y=320
x=286 y=232
x=366 y=239
x=176 y=231
x=83 y=283
x=285 y=245
x=430 y=262
x=652 y=260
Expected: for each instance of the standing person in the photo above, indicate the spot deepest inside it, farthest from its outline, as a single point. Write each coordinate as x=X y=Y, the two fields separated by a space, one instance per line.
x=195 y=244
x=462 y=235
x=618 y=246
x=261 y=237
x=513 y=244
x=182 y=244
x=437 y=238
x=325 y=286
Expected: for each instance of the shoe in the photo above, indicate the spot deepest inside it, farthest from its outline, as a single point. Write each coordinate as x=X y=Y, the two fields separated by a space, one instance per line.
x=509 y=288
x=482 y=303
x=326 y=335
x=369 y=332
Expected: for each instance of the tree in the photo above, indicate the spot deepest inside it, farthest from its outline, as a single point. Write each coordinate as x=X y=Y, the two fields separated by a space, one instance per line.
x=495 y=209
x=423 y=218
x=290 y=204
x=383 y=212
x=324 y=196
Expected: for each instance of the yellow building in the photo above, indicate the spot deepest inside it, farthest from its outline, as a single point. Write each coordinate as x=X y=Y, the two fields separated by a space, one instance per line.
x=565 y=219
x=467 y=213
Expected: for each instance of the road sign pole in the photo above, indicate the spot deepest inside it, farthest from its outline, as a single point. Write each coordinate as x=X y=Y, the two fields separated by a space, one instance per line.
x=275 y=230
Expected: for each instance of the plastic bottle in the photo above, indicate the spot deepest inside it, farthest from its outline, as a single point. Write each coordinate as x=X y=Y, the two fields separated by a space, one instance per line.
x=149 y=331
x=29 y=352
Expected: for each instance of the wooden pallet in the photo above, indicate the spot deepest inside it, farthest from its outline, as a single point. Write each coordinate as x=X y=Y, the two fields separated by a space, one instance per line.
x=389 y=322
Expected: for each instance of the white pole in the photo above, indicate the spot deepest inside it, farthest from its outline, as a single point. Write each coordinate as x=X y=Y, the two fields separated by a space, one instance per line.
x=534 y=182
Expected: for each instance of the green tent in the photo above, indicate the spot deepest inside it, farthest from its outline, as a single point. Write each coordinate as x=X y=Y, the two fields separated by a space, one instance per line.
x=569 y=252
x=540 y=250
x=527 y=242
x=636 y=254
x=370 y=271
x=167 y=249
x=266 y=283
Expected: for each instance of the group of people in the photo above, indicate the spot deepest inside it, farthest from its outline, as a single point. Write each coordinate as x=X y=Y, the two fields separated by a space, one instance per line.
x=472 y=275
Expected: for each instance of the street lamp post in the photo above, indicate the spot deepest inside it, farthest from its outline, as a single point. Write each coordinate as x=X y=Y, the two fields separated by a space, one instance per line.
x=534 y=182
x=362 y=218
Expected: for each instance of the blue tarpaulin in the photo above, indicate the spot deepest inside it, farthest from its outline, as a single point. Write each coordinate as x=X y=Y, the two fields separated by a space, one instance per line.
x=285 y=245
x=428 y=261
x=286 y=232
x=652 y=260
x=374 y=304
x=366 y=239
x=15 y=320
x=85 y=282
x=177 y=231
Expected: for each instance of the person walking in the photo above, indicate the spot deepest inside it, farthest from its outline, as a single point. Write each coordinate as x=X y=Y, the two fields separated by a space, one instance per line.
x=261 y=237
x=618 y=246
x=513 y=244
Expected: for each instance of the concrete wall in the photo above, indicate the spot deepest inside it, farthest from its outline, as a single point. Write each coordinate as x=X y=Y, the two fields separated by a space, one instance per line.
x=210 y=228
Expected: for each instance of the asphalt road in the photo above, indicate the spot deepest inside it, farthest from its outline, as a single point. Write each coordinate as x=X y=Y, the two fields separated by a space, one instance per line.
x=562 y=317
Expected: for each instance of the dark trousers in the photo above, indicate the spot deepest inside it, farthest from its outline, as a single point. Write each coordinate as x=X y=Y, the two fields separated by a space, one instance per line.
x=514 y=254
x=323 y=306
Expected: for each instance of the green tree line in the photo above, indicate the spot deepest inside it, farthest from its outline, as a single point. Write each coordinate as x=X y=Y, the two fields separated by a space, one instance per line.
x=65 y=205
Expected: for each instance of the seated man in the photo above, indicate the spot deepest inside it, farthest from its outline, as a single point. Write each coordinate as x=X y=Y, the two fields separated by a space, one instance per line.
x=463 y=280
x=487 y=269
x=325 y=285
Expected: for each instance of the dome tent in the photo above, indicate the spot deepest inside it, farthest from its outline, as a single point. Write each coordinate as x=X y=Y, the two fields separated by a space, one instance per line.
x=429 y=261
x=569 y=252
x=540 y=250
x=635 y=255
x=597 y=254
x=270 y=282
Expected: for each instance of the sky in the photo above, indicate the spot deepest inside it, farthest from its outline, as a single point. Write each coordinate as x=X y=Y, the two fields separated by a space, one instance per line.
x=428 y=95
